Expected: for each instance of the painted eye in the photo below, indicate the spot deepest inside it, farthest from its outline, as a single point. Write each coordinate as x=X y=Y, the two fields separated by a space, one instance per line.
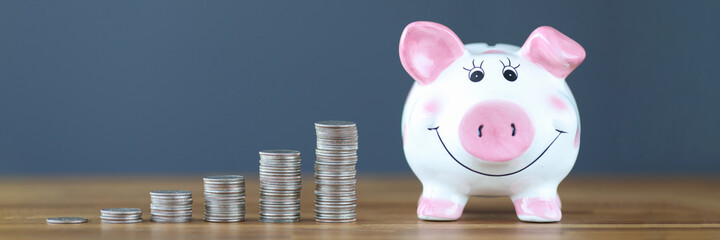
x=510 y=73
x=476 y=75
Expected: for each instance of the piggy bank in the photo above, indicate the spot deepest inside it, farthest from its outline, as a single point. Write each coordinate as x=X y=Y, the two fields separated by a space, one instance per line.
x=489 y=120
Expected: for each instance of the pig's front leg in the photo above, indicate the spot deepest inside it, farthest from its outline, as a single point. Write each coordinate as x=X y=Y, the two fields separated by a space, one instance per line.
x=538 y=205
x=442 y=201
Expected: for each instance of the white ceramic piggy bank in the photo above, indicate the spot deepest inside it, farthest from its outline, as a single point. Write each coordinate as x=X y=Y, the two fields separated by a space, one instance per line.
x=489 y=120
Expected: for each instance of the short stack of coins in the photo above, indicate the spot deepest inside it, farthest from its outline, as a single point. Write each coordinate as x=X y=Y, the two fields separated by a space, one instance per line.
x=224 y=198
x=336 y=158
x=280 y=186
x=170 y=206
x=121 y=215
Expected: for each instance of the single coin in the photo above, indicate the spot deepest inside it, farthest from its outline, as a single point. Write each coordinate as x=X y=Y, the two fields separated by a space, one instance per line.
x=279 y=152
x=120 y=217
x=121 y=221
x=120 y=211
x=224 y=178
x=334 y=124
x=170 y=192
x=66 y=220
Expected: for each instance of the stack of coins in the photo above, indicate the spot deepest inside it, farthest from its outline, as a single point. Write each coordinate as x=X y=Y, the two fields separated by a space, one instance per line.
x=170 y=206
x=121 y=215
x=280 y=185
x=224 y=198
x=336 y=157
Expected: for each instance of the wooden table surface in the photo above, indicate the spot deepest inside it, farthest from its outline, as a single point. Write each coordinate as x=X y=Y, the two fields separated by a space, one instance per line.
x=593 y=208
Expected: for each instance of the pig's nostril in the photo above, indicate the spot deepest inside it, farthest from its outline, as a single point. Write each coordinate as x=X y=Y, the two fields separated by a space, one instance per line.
x=480 y=131
x=512 y=125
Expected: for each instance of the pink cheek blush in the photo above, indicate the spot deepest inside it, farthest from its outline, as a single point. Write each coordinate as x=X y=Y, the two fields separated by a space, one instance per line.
x=558 y=103
x=577 y=137
x=432 y=107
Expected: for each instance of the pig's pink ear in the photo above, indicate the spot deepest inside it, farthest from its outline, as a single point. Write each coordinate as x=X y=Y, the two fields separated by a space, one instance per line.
x=554 y=51
x=427 y=48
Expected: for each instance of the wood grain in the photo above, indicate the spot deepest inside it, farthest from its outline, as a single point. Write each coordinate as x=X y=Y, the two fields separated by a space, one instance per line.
x=593 y=208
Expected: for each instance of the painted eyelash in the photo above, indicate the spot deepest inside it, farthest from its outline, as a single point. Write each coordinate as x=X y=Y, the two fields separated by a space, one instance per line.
x=509 y=64
x=474 y=67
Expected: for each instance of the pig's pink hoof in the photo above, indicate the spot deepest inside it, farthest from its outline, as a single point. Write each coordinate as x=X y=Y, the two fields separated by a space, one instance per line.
x=538 y=209
x=438 y=210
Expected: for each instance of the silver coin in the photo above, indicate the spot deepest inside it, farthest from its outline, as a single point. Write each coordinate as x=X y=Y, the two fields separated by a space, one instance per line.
x=121 y=210
x=268 y=220
x=170 y=192
x=295 y=188
x=225 y=218
x=119 y=218
x=225 y=203
x=325 y=202
x=284 y=209
x=290 y=218
x=225 y=214
x=159 y=217
x=223 y=191
x=175 y=220
x=225 y=195
x=324 y=176
x=66 y=220
x=343 y=182
x=335 y=211
x=335 y=124
x=170 y=208
x=211 y=219
x=239 y=187
x=335 y=220
x=280 y=191
x=121 y=221
x=224 y=186
x=335 y=216
x=240 y=208
x=170 y=212
x=335 y=205
x=212 y=201
x=280 y=214
x=279 y=202
x=281 y=152
x=339 y=148
x=172 y=199
x=185 y=202
x=339 y=190
x=335 y=199
x=278 y=205
x=224 y=178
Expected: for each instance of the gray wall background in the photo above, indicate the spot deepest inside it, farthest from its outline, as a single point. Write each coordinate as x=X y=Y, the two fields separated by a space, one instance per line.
x=201 y=86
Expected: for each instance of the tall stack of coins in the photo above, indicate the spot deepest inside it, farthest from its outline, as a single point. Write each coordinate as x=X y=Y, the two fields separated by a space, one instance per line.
x=121 y=215
x=170 y=206
x=336 y=157
x=224 y=198
x=280 y=185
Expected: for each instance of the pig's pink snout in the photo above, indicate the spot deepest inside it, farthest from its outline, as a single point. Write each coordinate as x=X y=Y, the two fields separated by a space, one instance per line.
x=496 y=131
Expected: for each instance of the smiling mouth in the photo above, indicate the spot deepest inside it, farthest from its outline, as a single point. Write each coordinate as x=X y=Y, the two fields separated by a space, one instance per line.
x=495 y=175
